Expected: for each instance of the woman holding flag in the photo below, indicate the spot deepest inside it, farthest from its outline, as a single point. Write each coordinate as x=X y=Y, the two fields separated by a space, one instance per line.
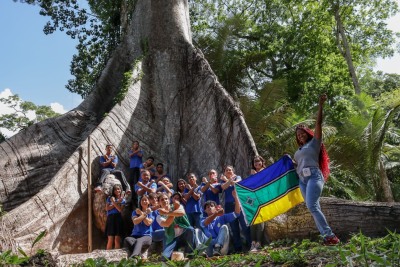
x=313 y=169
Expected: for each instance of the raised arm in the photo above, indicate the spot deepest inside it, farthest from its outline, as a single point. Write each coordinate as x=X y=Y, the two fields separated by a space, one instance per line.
x=318 y=124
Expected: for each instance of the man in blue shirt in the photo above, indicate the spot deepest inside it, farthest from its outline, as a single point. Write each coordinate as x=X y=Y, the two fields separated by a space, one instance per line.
x=214 y=226
x=108 y=162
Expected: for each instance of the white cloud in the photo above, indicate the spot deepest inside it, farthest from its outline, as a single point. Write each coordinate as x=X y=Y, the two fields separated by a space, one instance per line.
x=57 y=107
x=5 y=109
x=391 y=65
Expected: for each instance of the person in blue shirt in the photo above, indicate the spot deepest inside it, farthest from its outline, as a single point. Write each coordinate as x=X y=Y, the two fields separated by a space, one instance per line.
x=160 y=173
x=135 y=160
x=108 y=163
x=148 y=165
x=145 y=186
x=192 y=196
x=215 y=226
x=210 y=188
x=157 y=231
x=114 y=226
x=230 y=179
x=140 y=238
x=165 y=186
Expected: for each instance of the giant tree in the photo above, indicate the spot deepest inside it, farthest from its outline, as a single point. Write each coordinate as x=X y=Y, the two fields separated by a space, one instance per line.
x=156 y=88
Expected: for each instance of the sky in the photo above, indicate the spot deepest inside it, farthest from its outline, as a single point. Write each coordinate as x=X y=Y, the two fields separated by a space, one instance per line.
x=36 y=66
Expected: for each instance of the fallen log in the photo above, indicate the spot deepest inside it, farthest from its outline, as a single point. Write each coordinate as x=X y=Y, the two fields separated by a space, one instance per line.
x=345 y=217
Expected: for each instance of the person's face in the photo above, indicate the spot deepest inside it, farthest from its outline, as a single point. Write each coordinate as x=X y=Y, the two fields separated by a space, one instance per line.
x=145 y=177
x=117 y=191
x=144 y=202
x=301 y=136
x=109 y=149
x=135 y=145
x=154 y=202
x=176 y=198
x=149 y=162
x=213 y=176
x=165 y=181
x=229 y=172
x=164 y=201
x=192 y=179
x=181 y=185
x=258 y=164
x=160 y=169
x=210 y=209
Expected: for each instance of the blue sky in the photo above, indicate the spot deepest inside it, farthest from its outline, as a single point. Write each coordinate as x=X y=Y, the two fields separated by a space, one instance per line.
x=36 y=66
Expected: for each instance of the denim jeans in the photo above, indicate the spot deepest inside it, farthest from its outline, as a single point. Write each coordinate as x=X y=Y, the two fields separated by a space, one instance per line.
x=237 y=241
x=222 y=240
x=311 y=189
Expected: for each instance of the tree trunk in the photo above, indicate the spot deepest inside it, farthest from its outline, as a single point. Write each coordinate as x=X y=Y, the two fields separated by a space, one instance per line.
x=174 y=106
x=341 y=39
x=344 y=217
x=385 y=184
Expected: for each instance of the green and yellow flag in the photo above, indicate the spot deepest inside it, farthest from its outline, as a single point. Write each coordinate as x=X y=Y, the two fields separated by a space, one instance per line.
x=269 y=193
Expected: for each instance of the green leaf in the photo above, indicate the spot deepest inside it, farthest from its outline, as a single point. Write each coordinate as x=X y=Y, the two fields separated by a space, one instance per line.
x=39 y=237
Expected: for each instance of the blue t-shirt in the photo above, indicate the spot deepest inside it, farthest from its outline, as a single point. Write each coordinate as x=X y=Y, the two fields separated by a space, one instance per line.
x=155 y=225
x=135 y=160
x=213 y=228
x=193 y=205
x=113 y=210
x=228 y=192
x=102 y=160
x=151 y=170
x=308 y=155
x=141 y=229
x=152 y=186
x=209 y=195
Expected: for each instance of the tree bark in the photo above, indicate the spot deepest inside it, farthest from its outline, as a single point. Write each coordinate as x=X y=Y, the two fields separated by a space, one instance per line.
x=341 y=39
x=385 y=184
x=174 y=106
x=345 y=217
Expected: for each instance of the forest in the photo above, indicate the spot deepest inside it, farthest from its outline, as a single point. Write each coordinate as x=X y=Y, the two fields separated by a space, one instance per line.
x=275 y=58
x=233 y=83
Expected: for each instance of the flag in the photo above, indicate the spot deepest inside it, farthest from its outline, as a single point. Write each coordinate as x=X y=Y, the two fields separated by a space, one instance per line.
x=271 y=192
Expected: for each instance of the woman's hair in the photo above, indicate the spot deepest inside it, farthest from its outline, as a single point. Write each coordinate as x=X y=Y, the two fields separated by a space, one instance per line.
x=161 y=195
x=229 y=166
x=180 y=180
x=177 y=194
x=114 y=187
x=212 y=170
x=142 y=197
x=323 y=154
x=258 y=158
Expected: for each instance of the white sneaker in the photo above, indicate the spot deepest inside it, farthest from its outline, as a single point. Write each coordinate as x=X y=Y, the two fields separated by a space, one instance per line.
x=255 y=246
x=144 y=255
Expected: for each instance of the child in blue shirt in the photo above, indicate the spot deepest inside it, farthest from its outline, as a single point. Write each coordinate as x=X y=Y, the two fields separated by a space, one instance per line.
x=114 y=226
x=142 y=219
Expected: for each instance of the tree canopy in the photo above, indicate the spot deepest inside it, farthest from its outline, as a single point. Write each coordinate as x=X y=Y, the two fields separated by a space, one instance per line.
x=275 y=58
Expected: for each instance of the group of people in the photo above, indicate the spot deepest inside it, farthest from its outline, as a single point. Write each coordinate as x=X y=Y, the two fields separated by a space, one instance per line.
x=192 y=213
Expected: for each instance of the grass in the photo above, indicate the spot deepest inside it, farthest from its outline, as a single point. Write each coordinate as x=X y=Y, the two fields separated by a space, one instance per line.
x=359 y=250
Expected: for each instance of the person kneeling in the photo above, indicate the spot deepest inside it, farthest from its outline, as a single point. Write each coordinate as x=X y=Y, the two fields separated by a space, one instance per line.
x=214 y=226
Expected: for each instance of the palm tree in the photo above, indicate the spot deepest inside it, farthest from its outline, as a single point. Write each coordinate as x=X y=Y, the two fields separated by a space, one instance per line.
x=374 y=137
x=362 y=147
